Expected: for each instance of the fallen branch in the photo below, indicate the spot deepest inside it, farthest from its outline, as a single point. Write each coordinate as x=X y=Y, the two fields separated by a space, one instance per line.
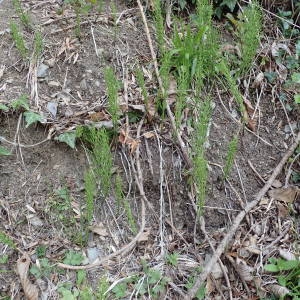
x=236 y=223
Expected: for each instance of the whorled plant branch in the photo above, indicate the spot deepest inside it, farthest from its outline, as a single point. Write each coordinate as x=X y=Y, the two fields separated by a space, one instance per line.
x=181 y=143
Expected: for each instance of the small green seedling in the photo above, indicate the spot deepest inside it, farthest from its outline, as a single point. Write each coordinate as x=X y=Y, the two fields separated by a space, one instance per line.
x=24 y=17
x=232 y=148
x=19 y=40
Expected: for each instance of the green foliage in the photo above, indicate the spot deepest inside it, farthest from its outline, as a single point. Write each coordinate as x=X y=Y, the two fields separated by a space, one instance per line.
x=249 y=31
x=103 y=286
x=24 y=17
x=90 y=188
x=67 y=293
x=191 y=281
x=21 y=102
x=80 y=277
x=4 y=259
x=18 y=39
x=123 y=202
x=6 y=240
x=4 y=107
x=223 y=5
x=230 y=82
x=289 y=274
x=44 y=269
x=112 y=86
x=232 y=148
x=172 y=259
x=286 y=23
x=155 y=283
x=4 y=151
x=159 y=26
x=200 y=172
x=68 y=137
x=31 y=118
x=141 y=82
x=73 y=258
x=102 y=158
x=102 y=161
x=38 y=45
x=41 y=251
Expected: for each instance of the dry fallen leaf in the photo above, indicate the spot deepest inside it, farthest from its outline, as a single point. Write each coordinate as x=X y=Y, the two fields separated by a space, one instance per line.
x=144 y=237
x=249 y=116
x=125 y=139
x=278 y=290
x=99 y=229
x=98 y=116
x=30 y=290
x=287 y=195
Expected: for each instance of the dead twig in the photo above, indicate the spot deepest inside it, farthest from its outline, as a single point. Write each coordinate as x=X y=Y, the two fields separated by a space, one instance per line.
x=236 y=223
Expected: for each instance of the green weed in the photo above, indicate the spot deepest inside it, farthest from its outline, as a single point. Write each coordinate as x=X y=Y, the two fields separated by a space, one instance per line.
x=24 y=17
x=172 y=259
x=232 y=148
x=103 y=285
x=200 y=172
x=288 y=274
x=4 y=151
x=21 y=102
x=44 y=269
x=18 y=40
x=6 y=240
x=159 y=26
x=38 y=45
x=90 y=188
x=195 y=47
x=102 y=159
x=112 y=86
x=123 y=202
x=230 y=82
x=249 y=30
x=191 y=281
x=141 y=82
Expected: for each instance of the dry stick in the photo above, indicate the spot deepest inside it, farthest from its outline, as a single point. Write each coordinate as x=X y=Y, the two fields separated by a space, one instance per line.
x=192 y=292
x=169 y=112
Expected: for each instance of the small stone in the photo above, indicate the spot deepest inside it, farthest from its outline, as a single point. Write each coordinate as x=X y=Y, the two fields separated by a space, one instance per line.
x=50 y=62
x=42 y=71
x=83 y=84
x=52 y=108
x=92 y=254
x=54 y=83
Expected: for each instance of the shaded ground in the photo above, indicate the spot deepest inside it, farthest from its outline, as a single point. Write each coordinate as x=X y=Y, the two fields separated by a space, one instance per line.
x=32 y=179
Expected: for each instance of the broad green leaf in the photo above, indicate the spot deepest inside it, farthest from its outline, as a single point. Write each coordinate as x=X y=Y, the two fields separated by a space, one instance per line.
x=4 y=239
x=296 y=77
x=297 y=98
x=286 y=265
x=229 y=3
x=69 y=138
x=73 y=258
x=298 y=48
x=4 y=151
x=271 y=268
x=31 y=118
x=3 y=107
x=21 y=102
